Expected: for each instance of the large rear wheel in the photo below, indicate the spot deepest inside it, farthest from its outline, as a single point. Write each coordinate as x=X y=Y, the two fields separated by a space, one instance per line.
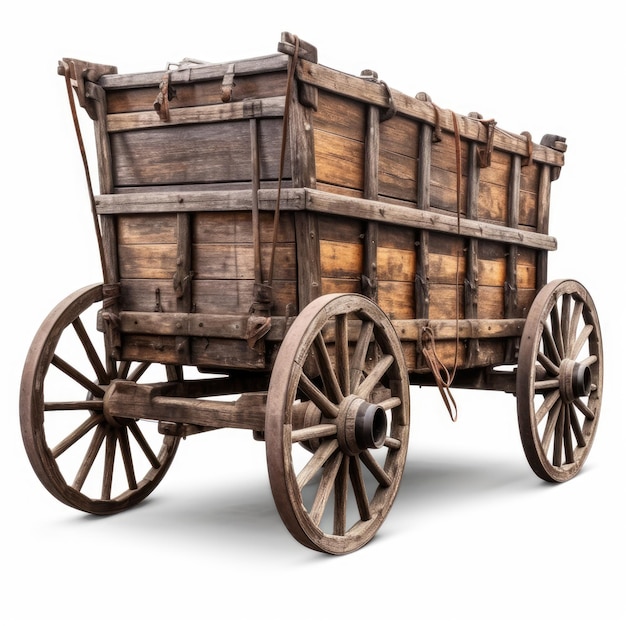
x=337 y=423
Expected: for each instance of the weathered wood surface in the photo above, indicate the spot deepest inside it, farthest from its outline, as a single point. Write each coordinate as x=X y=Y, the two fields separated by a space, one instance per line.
x=434 y=215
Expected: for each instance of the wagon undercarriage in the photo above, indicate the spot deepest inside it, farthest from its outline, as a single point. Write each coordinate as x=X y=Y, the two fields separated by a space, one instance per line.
x=307 y=247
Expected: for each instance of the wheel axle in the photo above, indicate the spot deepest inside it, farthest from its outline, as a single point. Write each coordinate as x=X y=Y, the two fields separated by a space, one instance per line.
x=360 y=425
x=574 y=380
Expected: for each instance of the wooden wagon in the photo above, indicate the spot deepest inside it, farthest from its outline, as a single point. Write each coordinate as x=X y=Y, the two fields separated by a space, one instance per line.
x=287 y=249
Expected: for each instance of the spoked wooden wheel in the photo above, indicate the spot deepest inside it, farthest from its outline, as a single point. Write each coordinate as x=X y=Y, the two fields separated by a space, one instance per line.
x=88 y=461
x=337 y=423
x=559 y=380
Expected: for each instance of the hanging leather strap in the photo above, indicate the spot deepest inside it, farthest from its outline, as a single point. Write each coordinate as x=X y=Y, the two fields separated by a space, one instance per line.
x=67 y=72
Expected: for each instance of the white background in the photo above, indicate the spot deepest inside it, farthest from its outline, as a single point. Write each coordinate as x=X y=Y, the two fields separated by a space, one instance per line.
x=474 y=536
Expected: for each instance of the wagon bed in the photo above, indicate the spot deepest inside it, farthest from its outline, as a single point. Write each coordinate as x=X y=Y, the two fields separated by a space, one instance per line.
x=313 y=243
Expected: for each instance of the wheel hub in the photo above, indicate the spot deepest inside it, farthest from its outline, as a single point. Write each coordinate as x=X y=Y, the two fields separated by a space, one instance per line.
x=360 y=425
x=574 y=380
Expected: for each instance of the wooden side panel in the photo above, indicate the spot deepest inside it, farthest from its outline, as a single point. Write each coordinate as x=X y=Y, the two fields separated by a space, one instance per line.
x=443 y=175
x=447 y=266
x=341 y=254
x=223 y=262
x=397 y=168
x=194 y=154
x=339 y=136
x=493 y=200
x=397 y=264
x=529 y=197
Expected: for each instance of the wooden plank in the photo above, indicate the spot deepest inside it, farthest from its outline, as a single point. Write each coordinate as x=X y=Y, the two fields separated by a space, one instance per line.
x=205 y=114
x=200 y=153
x=192 y=73
x=430 y=220
x=236 y=296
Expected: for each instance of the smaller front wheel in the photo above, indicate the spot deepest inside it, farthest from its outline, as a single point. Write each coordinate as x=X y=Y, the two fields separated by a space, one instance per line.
x=559 y=380
x=84 y=458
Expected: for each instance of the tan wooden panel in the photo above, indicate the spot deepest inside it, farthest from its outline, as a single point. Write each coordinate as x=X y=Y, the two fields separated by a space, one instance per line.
x=490 y=302
x=395 y=264
x=340 y=285
x=446 y=269
x=492 y=273
x=340 y=116
x=399 y=135
x=492 y=203
x=528 y=210
x=526 y=273
x=397 y=176
x=341 y=260
x=525 y=298
x=446 y=302
x=397 y=299
x=338 y=161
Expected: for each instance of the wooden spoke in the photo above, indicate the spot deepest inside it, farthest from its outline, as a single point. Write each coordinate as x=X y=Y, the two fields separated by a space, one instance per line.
x=138 y=371
x=74 y=374
x=123 y=370
x=326 y=487
x=581 y=341
x=375 y=469
x=90 y=351
x=579 y=305
x=341 y=498
x=90 y=457
x=587 y=412
x=316 y=462
x=565 y=322
x=127 y=458
x=559 y=380
x=327 y=371
x=373 y=378
x=143 y=444
x=551 y=425
x=356 y=487
x=549 y=366
x=550 y=347
x=390 y=403
x=576 y=428
x=549 y=402
x=74 y=449
x=314 y=432
x=342 y=352
x=323 y=403
x=109 y=464
x=89 y=405
x=76 y=435
x=556 y=333
x=360 y=492
x=360 y=353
